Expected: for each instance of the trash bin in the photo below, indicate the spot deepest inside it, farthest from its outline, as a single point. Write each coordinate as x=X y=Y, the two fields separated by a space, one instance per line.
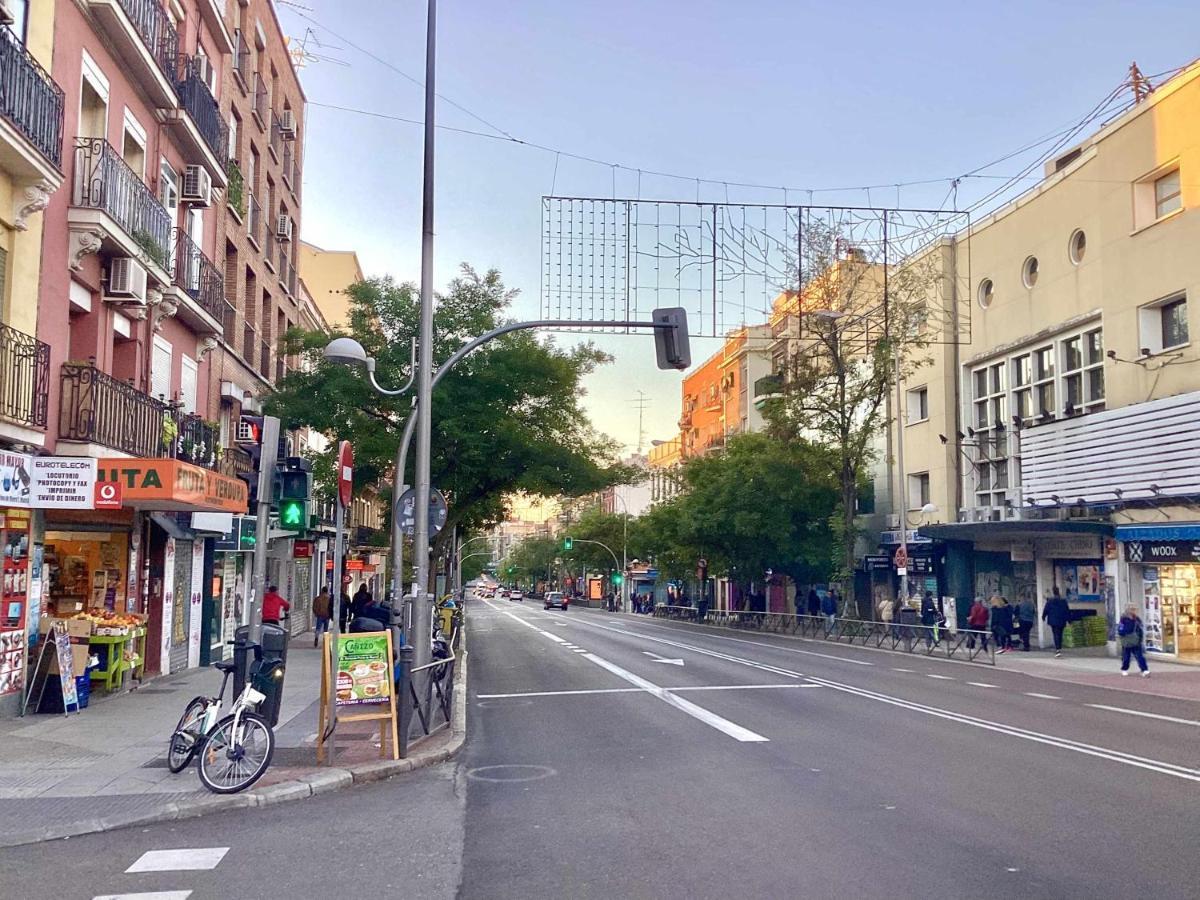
x=241 y=658
x=274 y=650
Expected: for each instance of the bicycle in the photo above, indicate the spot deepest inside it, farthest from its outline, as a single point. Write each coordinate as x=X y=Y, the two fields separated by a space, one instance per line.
x=236 y=750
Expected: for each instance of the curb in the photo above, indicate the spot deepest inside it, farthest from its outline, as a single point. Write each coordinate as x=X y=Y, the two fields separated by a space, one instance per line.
x=305 y=786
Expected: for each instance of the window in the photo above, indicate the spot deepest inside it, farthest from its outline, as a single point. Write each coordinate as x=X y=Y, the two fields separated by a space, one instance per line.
x=19 y=9
x=168 y=188
x=918 y=405
x=1029 y=272
x=1163 y=324
x=918 y=490
x=1083 y=372
x=1043 y=383
x=1167 y=194
x=984 y=294
x=235 y=130
x=188 y=371
x=160 y=369
x=133 y=144
x=93 y=100
x=1077 y=246
x=1022 y=368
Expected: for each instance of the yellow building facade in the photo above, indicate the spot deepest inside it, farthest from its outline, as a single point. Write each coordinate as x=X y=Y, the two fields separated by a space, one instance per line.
x=327 y=274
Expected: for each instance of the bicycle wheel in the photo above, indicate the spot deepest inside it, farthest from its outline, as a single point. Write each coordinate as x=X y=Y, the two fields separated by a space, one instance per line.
x=232 y=762
x=187 y=735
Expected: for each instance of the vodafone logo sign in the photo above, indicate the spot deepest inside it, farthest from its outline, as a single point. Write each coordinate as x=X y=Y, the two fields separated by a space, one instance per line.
x=108 y=495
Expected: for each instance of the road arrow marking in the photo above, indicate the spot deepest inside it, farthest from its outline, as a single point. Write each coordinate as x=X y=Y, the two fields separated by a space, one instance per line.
x=663 y=659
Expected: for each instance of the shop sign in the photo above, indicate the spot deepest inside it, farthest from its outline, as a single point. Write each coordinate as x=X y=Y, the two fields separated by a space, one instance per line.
x=1021 y=551
x=16 y=484
x=920 y=565
x=1162 y=551
x=169 y=484
x=62 y=482
x=302 y=550
x=364 y=669
x=1068 y=546
x=107 y=495
x=876 y=561
x=910 y=537
x=354 y=565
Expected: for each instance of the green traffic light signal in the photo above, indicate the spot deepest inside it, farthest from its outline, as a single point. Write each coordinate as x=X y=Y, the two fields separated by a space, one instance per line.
x=617 y=578
x=568 y=543
x=292 y=515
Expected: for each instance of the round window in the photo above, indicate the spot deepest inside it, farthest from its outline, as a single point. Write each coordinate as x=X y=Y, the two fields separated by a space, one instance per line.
x=1078 y=246
x=985 y=293
x=1029 y=272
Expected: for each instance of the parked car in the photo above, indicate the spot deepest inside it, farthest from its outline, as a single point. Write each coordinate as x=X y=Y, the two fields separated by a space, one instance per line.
x=555 y=599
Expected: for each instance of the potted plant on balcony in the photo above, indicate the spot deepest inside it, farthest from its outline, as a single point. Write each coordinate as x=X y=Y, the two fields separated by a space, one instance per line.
x=170 y=431
x=151 y=247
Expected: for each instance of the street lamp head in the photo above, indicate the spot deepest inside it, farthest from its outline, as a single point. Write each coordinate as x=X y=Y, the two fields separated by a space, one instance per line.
x=348 y=352
x=929 y=509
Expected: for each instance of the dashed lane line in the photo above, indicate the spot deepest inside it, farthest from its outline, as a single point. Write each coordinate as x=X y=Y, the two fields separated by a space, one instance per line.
x=1145 y=715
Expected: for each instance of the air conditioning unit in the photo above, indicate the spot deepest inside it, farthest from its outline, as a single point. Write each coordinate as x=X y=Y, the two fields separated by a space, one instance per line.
x=283 y=229
x=126 y=280
x=7 y=16
x=893 y=520
x=287 y=124
x=197 y=186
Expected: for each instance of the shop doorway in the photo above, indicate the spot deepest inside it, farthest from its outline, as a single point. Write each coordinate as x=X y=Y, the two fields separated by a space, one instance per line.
x=1179 y=607
x=180 y=605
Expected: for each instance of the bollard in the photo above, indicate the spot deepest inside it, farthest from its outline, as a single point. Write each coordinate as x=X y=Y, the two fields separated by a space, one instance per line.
x=403 y=704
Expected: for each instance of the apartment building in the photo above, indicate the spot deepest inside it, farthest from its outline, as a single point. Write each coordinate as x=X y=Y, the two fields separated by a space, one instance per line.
x=718 y=394
x=663 y=464
x=1059 y=441
x=328 y=273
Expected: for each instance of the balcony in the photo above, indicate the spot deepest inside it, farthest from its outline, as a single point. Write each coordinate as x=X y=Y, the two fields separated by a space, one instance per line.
x=213 y=13
x=31 y=116
x=259 y=109
x=198 y=124
x=24 y=380
x=105 y=412
x=769 y=387
x=241 y=61
x=253 y=221
x=201 y=283
x=114 y=211
x=235 y=194
x=142 y=36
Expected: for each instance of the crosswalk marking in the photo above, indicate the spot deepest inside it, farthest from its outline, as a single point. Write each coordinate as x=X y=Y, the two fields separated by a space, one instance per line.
x=180 y=860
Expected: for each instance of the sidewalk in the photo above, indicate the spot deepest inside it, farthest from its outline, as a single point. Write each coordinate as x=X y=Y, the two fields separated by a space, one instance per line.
x=106 y=767
x=1093 y=666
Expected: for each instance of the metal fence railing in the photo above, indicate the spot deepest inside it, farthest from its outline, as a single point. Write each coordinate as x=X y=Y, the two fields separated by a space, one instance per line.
x=426 y=693
x=905 y=637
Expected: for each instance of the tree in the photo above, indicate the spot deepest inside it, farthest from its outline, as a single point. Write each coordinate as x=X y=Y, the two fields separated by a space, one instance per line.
x=761 y=504
x=530 y=561
x=593 y=528
x=865 y=323
x=507 y=418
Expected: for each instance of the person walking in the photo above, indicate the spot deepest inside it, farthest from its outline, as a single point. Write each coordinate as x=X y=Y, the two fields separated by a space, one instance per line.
x=1056 y=614
x=273 y=606
x=929 y=617
x=362 y=599
x=322 y=607
x=814 y=602
x=887 y=611
x=1132 y=636
x=977 y=620
x=1026 y=617
x=345 y=611
x=1001 y=623
x=829 y=610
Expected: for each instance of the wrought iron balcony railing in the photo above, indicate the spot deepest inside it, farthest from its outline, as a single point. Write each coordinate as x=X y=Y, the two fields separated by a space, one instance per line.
x=153 y=25
x=104 y=181
x=199 y=103
x=24 y=378
x=241 y=58
x=30 y=99
x=199 y=276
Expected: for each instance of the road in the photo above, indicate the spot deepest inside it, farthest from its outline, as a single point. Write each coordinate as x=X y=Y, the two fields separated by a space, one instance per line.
x=614 y=756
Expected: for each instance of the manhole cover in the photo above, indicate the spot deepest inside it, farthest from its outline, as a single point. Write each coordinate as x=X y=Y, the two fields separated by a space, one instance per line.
x=510 y=773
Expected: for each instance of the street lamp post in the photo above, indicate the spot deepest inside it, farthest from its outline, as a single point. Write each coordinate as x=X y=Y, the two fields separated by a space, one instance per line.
x=624 y=552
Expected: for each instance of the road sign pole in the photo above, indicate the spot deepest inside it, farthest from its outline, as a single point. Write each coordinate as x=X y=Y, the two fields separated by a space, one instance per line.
x=262 y=533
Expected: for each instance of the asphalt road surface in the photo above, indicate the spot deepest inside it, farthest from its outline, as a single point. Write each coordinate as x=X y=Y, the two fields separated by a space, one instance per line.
x=619 y=757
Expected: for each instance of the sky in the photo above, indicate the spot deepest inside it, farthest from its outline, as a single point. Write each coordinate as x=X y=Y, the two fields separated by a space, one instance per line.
x=819 y=97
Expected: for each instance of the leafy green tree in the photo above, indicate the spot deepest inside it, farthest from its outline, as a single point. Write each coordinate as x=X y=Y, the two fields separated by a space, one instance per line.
x=507 y=418
x=530 y=561
x=592 y=529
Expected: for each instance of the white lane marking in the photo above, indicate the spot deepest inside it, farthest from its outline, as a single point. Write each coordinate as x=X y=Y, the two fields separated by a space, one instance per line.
x=578 y=650
x=722 y=637
x=1118 y=756
x=1147 y=715
x=562 y=623
x=909 y=671
x=983 y=684
x=735 y=731
x=663 y=659
x=941 y=677
x=184 y=859
x=151 y=895
x=1041 y=696
x=634 y=690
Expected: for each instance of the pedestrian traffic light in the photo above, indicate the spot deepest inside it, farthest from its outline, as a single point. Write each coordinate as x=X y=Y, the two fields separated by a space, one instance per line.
x=671 y=338
x=568 y=543
x=293 y=484
x=617 y=578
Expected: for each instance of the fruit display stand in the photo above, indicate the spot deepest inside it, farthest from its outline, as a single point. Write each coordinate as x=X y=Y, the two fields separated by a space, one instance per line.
x=119 y=640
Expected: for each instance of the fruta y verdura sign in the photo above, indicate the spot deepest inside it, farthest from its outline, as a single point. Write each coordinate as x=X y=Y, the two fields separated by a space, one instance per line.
x=169 y=484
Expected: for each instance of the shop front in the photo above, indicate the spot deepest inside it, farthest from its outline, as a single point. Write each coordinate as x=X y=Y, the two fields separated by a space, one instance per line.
x=19 y=600
x=1164 y=581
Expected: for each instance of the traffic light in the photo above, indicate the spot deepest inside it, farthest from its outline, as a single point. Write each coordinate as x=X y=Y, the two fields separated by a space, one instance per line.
x=671 y=338
x=568 y=543
x=618 y=579
x=293 y=484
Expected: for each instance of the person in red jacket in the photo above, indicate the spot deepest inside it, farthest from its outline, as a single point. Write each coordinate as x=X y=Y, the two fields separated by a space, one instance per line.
x=977 y=620
x=273 y=605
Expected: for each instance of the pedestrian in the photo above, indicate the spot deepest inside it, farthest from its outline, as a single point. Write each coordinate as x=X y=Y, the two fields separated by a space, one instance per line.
x=1132 y=636
x=322 y=607
x=1026 y=617
x=929 y=617
x=1056 y=614
x=829 y=609
x=1001 y=623
x=977 y=620
x=273 y=606
x=362 y=599
x=814 y=602
x=345 y=611
x=887 y=610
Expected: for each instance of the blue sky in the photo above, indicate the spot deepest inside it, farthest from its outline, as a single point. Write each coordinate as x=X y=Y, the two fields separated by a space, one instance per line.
x=797 y=94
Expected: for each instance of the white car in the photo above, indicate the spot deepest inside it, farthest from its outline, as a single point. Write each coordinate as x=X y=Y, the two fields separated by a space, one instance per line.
x=516 y=595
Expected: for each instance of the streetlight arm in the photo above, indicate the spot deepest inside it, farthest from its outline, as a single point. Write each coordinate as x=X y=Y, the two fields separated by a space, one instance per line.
x=616 y=564
x=412 y=374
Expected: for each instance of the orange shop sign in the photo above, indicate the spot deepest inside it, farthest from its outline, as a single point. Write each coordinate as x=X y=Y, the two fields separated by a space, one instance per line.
x=168 y=484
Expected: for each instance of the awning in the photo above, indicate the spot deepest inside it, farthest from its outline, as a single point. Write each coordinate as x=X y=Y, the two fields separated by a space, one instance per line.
x=1190 y=532
x=1011 y=530
x=171 y=485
